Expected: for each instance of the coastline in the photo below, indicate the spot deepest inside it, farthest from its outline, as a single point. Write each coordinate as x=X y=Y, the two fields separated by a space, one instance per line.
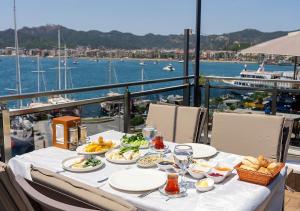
x=140 y=59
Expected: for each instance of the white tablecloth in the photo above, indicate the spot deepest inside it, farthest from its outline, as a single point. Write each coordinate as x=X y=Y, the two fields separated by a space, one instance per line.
x=232 y=194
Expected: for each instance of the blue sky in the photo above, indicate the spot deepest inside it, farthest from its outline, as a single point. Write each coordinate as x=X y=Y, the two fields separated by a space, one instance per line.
x=156 y=16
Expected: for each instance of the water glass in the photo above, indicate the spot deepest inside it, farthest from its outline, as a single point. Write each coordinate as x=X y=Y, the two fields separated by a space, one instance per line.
x=149 y=133
x=183 y=155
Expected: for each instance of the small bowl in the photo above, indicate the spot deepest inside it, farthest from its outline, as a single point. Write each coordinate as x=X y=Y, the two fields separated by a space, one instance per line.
x=223 y=168
x=217 y=179
x=206 y=164
x=208 y=188
x=164 y=165
x=197 y=172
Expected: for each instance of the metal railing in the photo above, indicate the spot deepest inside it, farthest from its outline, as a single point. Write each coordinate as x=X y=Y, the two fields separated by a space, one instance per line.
x=5 y=114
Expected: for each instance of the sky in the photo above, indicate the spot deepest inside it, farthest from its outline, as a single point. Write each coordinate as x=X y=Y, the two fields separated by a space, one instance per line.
x=154 y=16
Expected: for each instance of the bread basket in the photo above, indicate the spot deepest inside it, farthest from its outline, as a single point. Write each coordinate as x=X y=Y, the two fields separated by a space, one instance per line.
x=257 y=177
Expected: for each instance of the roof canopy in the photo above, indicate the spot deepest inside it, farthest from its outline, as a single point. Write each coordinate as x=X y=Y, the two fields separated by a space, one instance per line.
x=288 y=45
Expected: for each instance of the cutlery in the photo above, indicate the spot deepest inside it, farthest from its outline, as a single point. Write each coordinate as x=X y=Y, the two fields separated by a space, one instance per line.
x=102 y=180
x=147 y=193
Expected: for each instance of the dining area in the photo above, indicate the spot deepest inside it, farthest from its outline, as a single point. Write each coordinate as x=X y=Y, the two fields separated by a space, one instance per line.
x=166 y=166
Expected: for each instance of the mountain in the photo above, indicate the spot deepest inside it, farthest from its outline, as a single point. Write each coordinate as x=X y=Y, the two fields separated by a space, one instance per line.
x=45 y=37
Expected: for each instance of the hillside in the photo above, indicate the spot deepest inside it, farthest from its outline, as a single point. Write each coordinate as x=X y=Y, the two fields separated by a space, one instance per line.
x=45 y=37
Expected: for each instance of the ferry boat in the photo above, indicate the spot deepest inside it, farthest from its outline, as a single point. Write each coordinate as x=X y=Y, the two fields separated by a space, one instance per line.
x=260 y=73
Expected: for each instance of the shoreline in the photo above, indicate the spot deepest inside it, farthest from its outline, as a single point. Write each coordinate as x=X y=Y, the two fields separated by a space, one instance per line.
x=139 y=59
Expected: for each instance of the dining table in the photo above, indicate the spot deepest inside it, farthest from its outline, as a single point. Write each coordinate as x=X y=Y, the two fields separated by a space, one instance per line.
x=231 y=194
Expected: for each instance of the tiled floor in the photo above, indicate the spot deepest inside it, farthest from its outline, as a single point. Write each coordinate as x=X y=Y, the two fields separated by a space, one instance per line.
x=292 y=201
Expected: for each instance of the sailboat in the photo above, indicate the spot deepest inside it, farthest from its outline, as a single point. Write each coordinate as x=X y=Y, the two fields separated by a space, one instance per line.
x=21 y=132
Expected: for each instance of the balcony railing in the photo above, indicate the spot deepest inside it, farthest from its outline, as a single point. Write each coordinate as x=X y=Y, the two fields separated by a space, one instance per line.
x=185 y=86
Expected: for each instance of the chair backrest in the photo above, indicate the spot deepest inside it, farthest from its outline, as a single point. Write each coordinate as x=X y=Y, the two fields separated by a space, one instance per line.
x=247 y=134
x=45 y=203
x=75 y=189
x=286 y=137
x=11 y=195
x=187 y=124
x=162 y=117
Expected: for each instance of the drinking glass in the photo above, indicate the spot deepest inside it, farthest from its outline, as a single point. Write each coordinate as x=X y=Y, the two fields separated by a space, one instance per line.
x=149 y=133
x=183 y=155
x=158 y=141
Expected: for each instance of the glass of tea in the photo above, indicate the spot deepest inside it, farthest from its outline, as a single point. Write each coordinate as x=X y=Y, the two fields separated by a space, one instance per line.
x=158 y=141
x=172 y=186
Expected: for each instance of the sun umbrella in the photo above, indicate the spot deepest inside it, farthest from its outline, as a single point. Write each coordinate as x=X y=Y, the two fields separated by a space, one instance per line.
x=288 y=45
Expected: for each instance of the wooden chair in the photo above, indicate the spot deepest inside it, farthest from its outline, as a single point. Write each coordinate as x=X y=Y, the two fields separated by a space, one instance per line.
x=247 y=134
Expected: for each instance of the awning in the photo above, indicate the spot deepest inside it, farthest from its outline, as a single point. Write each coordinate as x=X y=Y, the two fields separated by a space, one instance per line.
x=288 y=45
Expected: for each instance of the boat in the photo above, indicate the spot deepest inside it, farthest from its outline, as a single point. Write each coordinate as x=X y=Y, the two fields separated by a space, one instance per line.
x=142 y=63
x=21 y=129
x=111 y=107
x=284 y=62
x=181 y=61
x=75 y=61
x=169 y=68
x=261 y=73
x=172 y=99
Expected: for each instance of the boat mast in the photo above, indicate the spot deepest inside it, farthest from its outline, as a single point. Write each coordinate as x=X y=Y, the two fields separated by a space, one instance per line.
x=59 y=74
x=65 y=69
x=142 y=86
x=109 y=70
x=18 y=71
x=38 y=72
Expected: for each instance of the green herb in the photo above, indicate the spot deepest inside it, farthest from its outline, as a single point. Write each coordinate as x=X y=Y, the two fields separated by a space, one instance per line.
x=124 y=149
x=135 y=140
x=92 y=162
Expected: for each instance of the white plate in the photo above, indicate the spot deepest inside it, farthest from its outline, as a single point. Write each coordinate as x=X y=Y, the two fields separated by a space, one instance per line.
x=202 y=150
x=80 y=149
x=137 y=179
x=66 y=163
x=120 y=161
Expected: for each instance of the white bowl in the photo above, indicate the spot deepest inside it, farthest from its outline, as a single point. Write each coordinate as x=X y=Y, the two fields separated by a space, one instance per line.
x=197 y=172
x=224 y=165
x=217 y=179
x=165 y=166
x=204 y=163
x=203 y=189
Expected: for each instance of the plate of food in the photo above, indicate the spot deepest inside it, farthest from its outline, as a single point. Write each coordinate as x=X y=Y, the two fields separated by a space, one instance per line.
x=150 y=160
x=136 y=140
x=123 y=155
x=97 y=147
x=82 y=164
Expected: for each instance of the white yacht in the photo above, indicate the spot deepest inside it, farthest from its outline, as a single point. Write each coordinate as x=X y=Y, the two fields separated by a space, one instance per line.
x=260 y=73
x=169 y=67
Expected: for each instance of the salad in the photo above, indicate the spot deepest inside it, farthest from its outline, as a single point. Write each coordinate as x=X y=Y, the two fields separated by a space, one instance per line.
x=85 y=163
x=137 y=140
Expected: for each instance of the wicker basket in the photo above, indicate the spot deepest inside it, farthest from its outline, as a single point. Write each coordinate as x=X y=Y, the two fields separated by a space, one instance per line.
x=257 y=177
